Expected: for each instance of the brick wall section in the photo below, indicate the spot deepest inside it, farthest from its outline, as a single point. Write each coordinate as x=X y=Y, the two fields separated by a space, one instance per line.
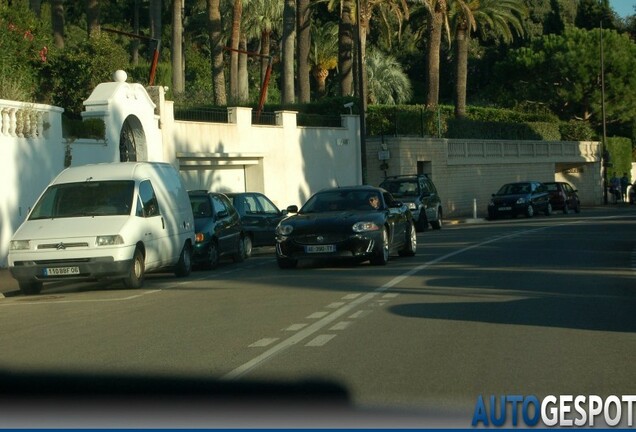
x=476 y=169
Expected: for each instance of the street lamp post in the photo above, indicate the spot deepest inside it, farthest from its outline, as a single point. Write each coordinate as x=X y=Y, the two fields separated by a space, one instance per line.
x=362 y=99
x=604 y=152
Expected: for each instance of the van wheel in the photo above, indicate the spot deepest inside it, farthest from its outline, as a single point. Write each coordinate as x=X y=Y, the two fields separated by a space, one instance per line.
x=30 y=288
x=213 y=256
x=184 y=266
x=135 y=278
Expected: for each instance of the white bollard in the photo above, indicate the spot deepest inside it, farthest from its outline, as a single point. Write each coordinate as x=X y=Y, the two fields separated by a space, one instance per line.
x=474 y=208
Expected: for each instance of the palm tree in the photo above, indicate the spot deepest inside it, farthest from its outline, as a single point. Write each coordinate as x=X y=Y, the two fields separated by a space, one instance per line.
x=323 y=55
x=388 y=83
x=234 y=55
x=178 y=67
x=438 y=14
x=216 y=42
x=289 y=35
x=494 y=18
x=57 y=22
x=261 y=18
x=303 y=36
x=92 y=17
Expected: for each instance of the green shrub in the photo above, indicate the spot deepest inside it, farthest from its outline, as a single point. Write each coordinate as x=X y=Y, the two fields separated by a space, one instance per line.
x=90 y=128
x=620 y=150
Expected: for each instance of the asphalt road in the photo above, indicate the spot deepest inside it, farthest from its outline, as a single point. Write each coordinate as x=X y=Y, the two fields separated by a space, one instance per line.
x=540 y=306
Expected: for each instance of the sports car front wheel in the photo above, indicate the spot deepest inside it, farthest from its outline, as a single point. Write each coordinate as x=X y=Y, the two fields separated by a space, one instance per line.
x=382 y=254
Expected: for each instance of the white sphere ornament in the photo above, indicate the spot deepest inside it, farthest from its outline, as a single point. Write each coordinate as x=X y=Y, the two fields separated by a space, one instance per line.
x=120 y=76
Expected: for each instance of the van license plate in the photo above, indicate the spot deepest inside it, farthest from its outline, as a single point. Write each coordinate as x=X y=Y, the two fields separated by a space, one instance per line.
x=61 y=271
x=320 y=249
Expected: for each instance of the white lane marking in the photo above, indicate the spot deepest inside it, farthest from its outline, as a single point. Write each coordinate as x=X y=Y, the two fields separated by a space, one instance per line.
x=359 y=314
x=328 y=319
x=351 y=296
x=48 y=302
x=320 y=340
x=263 y=342
x=390 y=295
x=295 y=327
x=341 y=325
x=335 y=305
x=317 y=315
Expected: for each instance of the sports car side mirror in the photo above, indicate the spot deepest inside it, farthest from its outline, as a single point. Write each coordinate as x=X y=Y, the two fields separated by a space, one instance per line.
x=292 y=209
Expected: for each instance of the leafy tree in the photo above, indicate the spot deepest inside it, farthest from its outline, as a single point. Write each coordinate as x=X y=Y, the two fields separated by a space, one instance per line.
x=77 y=70
x=563 y=72
x=24 y=42
x=493 y=18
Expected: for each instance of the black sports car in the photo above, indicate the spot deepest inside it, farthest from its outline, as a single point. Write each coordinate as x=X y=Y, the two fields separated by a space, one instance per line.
x=526 y=198
x=357 y=222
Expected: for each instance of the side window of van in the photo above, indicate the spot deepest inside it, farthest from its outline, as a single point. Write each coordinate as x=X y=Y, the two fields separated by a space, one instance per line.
x=220 y=209
x=148 y=198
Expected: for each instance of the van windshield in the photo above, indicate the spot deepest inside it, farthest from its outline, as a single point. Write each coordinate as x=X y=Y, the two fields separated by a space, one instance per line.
x=95 y=198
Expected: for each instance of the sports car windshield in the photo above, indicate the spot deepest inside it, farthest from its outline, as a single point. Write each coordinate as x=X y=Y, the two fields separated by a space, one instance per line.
x=345 y=200
x=96 y=198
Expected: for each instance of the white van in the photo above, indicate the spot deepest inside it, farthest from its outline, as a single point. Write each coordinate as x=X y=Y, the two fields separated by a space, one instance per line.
x=108 y=220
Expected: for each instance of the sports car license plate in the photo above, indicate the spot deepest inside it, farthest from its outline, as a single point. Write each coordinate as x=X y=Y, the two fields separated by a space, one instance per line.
x=320 y=249
x=61 y=271
x=505 y=208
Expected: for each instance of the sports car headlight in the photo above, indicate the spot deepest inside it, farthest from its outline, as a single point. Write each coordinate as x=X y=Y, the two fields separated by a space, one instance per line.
x=411 y=206
x=521 y=200
x=109 y=240
x=284 y=229
x=364 y=227
x=19 y=245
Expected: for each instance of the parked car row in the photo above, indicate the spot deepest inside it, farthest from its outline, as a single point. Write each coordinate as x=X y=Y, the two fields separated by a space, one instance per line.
x=122 y=220
x=531 y=197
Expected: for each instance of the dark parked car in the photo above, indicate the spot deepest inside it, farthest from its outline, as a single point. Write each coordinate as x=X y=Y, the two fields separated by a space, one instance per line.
x=259 y=216
x=526 y=198
x=419 y=193
x=218 y=229
x=631 y=194
x=358 y=222
x=563 y=197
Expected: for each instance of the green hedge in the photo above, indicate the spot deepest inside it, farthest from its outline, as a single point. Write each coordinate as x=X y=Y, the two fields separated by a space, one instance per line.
x=620 y=150
x=89 y=128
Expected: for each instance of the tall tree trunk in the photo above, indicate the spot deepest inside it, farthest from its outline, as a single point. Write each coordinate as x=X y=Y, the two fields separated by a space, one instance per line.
x=320 y=75
x=363 y=27
x=434 y=47
x=92 y=17
x=135 y=42
x=36 y=7
x=57 y=22
x=216 y=42
x=243 y=82
x=155 y=21
x=304 y=45
x=234 y=55
x=178 y=70
x=461 y=41
x=289 y=35
x=345 y=47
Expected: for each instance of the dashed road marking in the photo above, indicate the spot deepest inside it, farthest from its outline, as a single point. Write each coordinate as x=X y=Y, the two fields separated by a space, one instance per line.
x=317 y=315
x=263 y=342
x=320 y=340
x=296 y=327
